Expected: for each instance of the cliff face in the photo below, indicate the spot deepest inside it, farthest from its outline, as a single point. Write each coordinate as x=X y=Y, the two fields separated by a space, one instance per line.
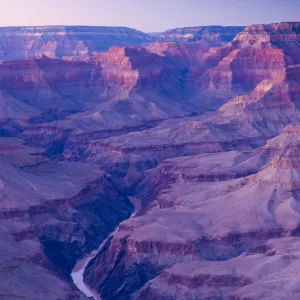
x=46 y=89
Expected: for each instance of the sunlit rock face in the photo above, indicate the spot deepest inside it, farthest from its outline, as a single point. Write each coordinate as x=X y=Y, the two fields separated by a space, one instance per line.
x=199 y=125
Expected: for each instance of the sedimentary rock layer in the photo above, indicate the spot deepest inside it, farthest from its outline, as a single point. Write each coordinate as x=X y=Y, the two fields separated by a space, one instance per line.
x=203 y=129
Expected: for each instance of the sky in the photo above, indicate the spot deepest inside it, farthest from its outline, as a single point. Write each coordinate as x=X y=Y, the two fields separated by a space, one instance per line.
x=147 y=15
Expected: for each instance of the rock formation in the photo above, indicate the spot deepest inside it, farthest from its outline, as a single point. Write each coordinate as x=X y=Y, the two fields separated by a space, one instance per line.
x=199 y=124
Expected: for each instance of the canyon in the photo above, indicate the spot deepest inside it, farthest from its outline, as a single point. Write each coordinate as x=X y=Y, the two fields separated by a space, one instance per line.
x=154 y=165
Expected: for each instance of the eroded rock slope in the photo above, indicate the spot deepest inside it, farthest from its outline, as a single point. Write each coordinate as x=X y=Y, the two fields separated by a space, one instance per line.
x=199 y=124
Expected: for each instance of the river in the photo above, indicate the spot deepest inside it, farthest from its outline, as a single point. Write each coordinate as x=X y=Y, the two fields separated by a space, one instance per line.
x=79 y=268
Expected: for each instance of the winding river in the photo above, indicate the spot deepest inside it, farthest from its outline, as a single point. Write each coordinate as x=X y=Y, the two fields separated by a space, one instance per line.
x=79 y=268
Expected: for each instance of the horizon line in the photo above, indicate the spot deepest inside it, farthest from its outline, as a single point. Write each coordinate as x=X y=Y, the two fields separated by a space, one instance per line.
x=149 y=32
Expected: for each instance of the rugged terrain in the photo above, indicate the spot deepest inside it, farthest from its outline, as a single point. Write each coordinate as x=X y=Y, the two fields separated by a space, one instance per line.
x=199 y=124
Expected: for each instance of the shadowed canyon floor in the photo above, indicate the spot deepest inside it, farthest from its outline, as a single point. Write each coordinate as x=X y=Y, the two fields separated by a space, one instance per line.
x=199 y=126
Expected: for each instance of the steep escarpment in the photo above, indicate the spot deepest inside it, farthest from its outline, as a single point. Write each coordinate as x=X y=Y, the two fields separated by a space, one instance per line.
x=283 y=36
x=259 y=52
x=46 y=84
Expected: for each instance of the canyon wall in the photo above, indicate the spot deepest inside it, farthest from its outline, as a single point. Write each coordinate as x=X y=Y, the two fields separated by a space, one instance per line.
x=199 y=124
